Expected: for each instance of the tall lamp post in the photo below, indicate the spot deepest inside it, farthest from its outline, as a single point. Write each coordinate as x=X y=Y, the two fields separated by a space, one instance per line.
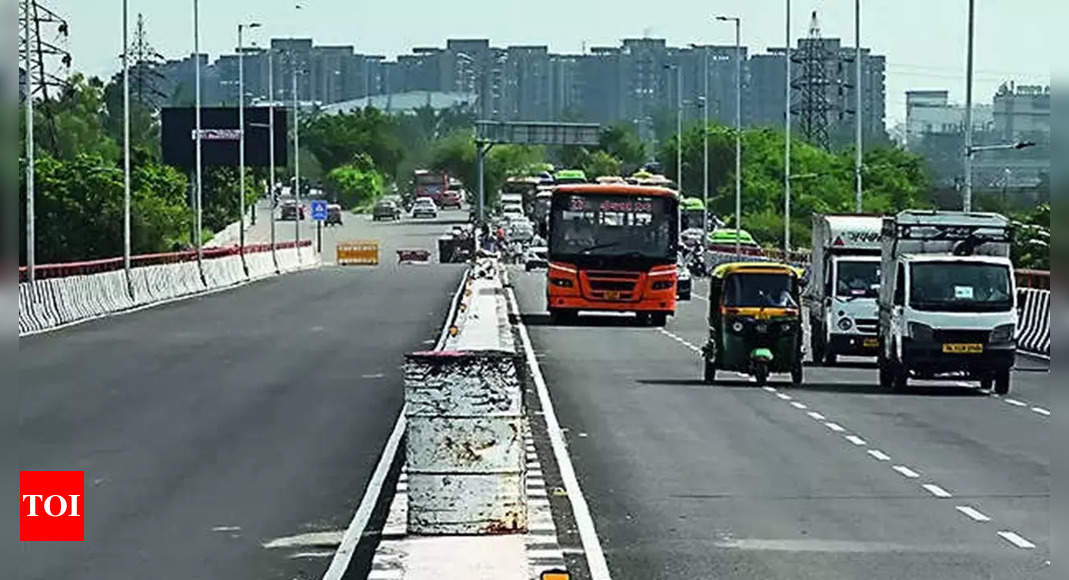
x=787 y=139
x=967 y=202
x=241 y=136
x=679 y=124
x=31 y=242
x=857 y=103
x=126 y=146
x=199 y=172
x=738 y=129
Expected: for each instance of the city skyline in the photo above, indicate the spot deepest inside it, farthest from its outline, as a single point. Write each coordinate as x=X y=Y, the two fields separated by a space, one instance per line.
x=931 y=56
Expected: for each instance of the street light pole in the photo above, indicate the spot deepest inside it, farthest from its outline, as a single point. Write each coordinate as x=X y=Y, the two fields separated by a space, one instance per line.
x=738 y=129
x=857 y=104
x=199 y=173
x=31 y=241
x=296 y=159
x=271 y=146
x=241 y=137
x=705 y=151
x=967 y=202
x=787 y=141
x=126 y=146
x=679 y=128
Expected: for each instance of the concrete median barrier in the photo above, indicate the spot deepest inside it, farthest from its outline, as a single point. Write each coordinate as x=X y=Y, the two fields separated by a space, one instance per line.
x=464 y=410
x=1033 y=333
x=224 y=271
x=261 y=264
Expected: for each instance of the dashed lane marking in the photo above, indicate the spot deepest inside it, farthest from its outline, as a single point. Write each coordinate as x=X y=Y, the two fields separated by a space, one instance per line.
x=816 y=415
x=906 y=472
x=1041 y=411
x=785 y=397
x=973 y=513
x=798 y=405
x=879 y=455
x=1017 y=540
x=936 y=490
x=856 y=440
x=834 y=427
x=1016 y=403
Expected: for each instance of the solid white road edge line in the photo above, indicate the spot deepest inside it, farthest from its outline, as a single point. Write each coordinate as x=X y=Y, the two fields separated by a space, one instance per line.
x=340 y=563
x=595 y=556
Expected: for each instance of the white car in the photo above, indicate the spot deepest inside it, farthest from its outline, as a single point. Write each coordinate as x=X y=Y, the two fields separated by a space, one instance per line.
x=520 y=230
x=424 y=207
x=536 y=257
x=512 y=211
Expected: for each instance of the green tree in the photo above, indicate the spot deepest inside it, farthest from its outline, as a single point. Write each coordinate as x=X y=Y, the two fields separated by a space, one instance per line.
x=600 y=163
x=335 y=140
x=357 y=184
x=621 y=141
x=456 y=155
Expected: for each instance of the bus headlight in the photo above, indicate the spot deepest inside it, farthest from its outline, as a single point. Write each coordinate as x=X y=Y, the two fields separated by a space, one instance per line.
x=1003 y=334
x=845 y=324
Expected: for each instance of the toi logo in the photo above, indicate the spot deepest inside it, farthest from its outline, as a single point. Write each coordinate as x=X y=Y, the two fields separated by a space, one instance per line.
x=51 y=506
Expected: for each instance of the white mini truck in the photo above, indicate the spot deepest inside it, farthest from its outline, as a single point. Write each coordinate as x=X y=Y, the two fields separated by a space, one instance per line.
x=947 y=299
x=844 y=283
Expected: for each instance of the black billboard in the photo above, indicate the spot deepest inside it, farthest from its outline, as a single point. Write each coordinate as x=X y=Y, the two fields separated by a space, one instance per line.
x=220 y=138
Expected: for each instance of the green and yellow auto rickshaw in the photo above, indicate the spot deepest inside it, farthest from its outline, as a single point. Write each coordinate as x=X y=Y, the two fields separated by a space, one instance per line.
x=755 y=321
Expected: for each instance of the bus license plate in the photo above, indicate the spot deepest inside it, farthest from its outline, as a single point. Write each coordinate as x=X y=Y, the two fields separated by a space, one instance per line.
x=870 y=342
x=612 y=295
x=950 y=348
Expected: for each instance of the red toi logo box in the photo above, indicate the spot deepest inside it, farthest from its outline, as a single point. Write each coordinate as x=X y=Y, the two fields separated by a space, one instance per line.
x=51 y=506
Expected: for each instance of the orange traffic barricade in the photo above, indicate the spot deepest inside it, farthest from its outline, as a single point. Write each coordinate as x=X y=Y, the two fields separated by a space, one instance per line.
x=358 y=253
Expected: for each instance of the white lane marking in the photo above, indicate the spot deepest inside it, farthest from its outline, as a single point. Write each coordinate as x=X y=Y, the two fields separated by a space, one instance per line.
x=973 y=513
x=302 y=540
x=816 y=415
x=784 y=397
x=834 y=427
x=936 y=490
x=340 y=563
x=906 y=472
x=1016 y=403
x=226 y=529
x=374 y=376
x=1041 y=411
x=389 y=574
x=1017 y=540
x=798 y=405
x=879 y=455
x=595 y=556
x=770 y=389
x=300 y=555
x=856 y=440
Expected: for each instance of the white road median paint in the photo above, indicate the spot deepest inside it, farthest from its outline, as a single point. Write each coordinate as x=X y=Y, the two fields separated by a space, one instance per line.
x=879 y=455
x=856 y=440
x=834 y=427
x=973 y=513
x=595 y=556
x=1017 y=540
x=906 y=472
x=936 y=490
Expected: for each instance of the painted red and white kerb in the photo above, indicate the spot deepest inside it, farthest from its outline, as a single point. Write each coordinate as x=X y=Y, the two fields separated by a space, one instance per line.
x=52 y=506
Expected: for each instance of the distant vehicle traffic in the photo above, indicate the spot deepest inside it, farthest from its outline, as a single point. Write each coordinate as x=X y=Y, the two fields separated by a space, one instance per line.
x=431 y=184
x=947 y=298
x=613 y=248
x=569 y=176
x=845 y=280
x=386 y=209
x=536 y=257
x=723 y=241
x=453 y=195
x=684 y=281
x=334 y=217
x=424 y=207
x=291 y=210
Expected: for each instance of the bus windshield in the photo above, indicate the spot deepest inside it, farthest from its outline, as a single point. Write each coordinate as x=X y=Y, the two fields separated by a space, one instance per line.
x=613 y=225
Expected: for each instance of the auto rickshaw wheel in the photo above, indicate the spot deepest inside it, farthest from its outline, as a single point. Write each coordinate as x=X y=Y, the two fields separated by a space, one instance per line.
x=709 y=376
x=761 y=374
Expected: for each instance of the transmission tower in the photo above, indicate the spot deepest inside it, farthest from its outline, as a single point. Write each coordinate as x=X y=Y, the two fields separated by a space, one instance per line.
x=812 y=106
x=144 y=69
x=49 y=63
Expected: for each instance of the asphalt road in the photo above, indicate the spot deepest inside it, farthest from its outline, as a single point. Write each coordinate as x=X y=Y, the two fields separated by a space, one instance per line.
x=210 y=427
x=835 y=479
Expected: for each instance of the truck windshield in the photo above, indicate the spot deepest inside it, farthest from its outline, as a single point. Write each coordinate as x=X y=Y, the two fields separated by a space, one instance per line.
x=613 y=225
x=960 y=287
x=758 y=290
x=858 y=279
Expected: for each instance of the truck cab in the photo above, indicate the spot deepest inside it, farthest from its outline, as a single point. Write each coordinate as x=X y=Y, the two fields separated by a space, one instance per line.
x=845 y=284
x=948 y=303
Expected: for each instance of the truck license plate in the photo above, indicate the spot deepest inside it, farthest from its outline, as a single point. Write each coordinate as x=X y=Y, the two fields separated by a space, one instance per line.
x=951 y=348
x=612 y=295
x=870 y=342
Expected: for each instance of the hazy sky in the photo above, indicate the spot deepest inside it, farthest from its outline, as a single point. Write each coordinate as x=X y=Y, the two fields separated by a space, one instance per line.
x=923 y=40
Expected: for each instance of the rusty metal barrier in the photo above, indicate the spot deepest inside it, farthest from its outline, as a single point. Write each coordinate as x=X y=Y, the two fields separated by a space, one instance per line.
x=358 y=253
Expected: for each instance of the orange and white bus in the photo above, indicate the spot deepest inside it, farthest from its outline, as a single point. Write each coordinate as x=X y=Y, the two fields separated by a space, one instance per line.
x=613 y=247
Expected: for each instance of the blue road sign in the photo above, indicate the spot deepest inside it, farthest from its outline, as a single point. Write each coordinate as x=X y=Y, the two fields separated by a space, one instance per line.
x=319 y=210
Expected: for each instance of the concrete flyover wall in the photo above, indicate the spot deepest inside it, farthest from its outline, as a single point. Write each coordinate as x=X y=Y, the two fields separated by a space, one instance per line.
x=69 y=293
x=465 y=453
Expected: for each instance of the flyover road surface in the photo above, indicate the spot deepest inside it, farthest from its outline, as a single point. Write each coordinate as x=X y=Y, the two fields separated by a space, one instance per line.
x=833 y=479
x=211 y=427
